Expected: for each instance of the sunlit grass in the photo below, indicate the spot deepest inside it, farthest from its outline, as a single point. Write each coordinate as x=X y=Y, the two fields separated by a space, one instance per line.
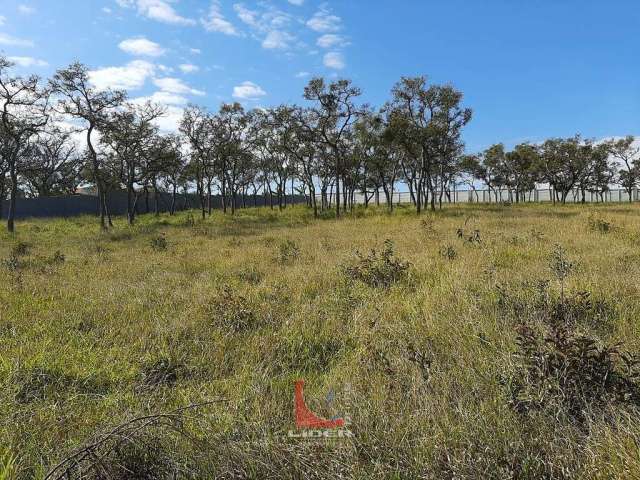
x=79 y=337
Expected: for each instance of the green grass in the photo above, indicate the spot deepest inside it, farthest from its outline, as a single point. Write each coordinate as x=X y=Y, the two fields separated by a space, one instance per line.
x=121 y=324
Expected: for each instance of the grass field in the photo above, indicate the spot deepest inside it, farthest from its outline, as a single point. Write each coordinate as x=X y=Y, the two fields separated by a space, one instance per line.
x=467 y=362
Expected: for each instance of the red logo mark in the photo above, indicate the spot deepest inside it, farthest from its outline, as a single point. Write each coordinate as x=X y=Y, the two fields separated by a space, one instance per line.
x=305 y=418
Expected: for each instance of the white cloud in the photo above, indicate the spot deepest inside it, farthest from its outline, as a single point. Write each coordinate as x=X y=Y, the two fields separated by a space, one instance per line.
x=141 y=47
x=250 y=17
x=162 y=98
x=215 y=22
x=277 y=39
x=268 y=25
x=324 y=21
x=195 y=51
x=159 y=10
x=334 y=60
x=26 y=9
x=173 y=110
x=330 y=40
x=28 y=62
x=2 y=20
x=129 y=77
x=176 y=86
x=6 y=39
x=189 y=68
x=107 y=10
x=302 y=74
x=248 y=91
x=296 y=2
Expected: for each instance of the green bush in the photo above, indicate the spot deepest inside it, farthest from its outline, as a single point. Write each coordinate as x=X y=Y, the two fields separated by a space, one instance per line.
x=378 y=269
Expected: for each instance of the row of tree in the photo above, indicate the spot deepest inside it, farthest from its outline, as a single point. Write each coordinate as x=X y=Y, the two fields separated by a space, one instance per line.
x=569 y=166
x=329 y=150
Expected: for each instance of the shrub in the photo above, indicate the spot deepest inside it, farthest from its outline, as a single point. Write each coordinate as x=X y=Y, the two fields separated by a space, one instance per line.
x=600 y=225
x=159 y=243
x=560 y=266
x=378 y=269
x=448 y=252
x=288 y=251
x=20 y=249
x=250 y=275
x=570 y=375
x=161 y=372
x=535 y=301
x=233 y=312
x=13 y=263
x=428 y=226
x=58 y=258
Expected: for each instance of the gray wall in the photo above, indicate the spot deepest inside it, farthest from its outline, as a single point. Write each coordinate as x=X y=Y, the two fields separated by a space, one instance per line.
x=73 y=205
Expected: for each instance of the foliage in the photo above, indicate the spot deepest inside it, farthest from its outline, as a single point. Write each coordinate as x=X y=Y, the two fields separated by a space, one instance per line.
x=232 y=312
x=571 y=375
x=600 y=225
x=288 y=251
x=159 y=243
x=379 y=269
x=448 y=252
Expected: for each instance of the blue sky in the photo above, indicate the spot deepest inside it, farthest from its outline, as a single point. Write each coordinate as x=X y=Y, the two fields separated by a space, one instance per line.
x=529 y=69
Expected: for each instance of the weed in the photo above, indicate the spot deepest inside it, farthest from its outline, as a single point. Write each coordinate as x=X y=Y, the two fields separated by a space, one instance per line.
x=428 y=226
x=161 y=372
x=12 y=264
x=159 y=243
x=378 y=269
x=21 y=249
x=251 y=275
x=600 y=225
x=288 y=251
x=560 y=266
x=536 y=235
x=232 y=312
x=448 y=252
x=470 y=236
x=572 y=375
x=422 y=360
x=58 y=258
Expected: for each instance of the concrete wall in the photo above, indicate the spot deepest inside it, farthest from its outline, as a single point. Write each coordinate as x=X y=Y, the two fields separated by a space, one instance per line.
x=73 y=205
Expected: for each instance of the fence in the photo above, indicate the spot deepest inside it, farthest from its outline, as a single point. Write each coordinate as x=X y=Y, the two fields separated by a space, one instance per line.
x=488 y=196
x=74 y=205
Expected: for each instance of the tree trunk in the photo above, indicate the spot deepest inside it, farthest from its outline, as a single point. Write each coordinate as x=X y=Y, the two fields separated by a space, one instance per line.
x=11 y=215
x=97 y=177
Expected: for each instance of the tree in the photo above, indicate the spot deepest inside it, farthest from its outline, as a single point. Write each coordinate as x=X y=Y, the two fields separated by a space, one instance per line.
x=128 y=134
x=83 y=102
x=562 y=165
x=196 y=126
x=24 y=114
x=519 y=170
x=382 y=158
x=231 y=129
x=625 y=151
x=428 y=122
x=171 y=170
x=334 y=113
x=52 y=165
